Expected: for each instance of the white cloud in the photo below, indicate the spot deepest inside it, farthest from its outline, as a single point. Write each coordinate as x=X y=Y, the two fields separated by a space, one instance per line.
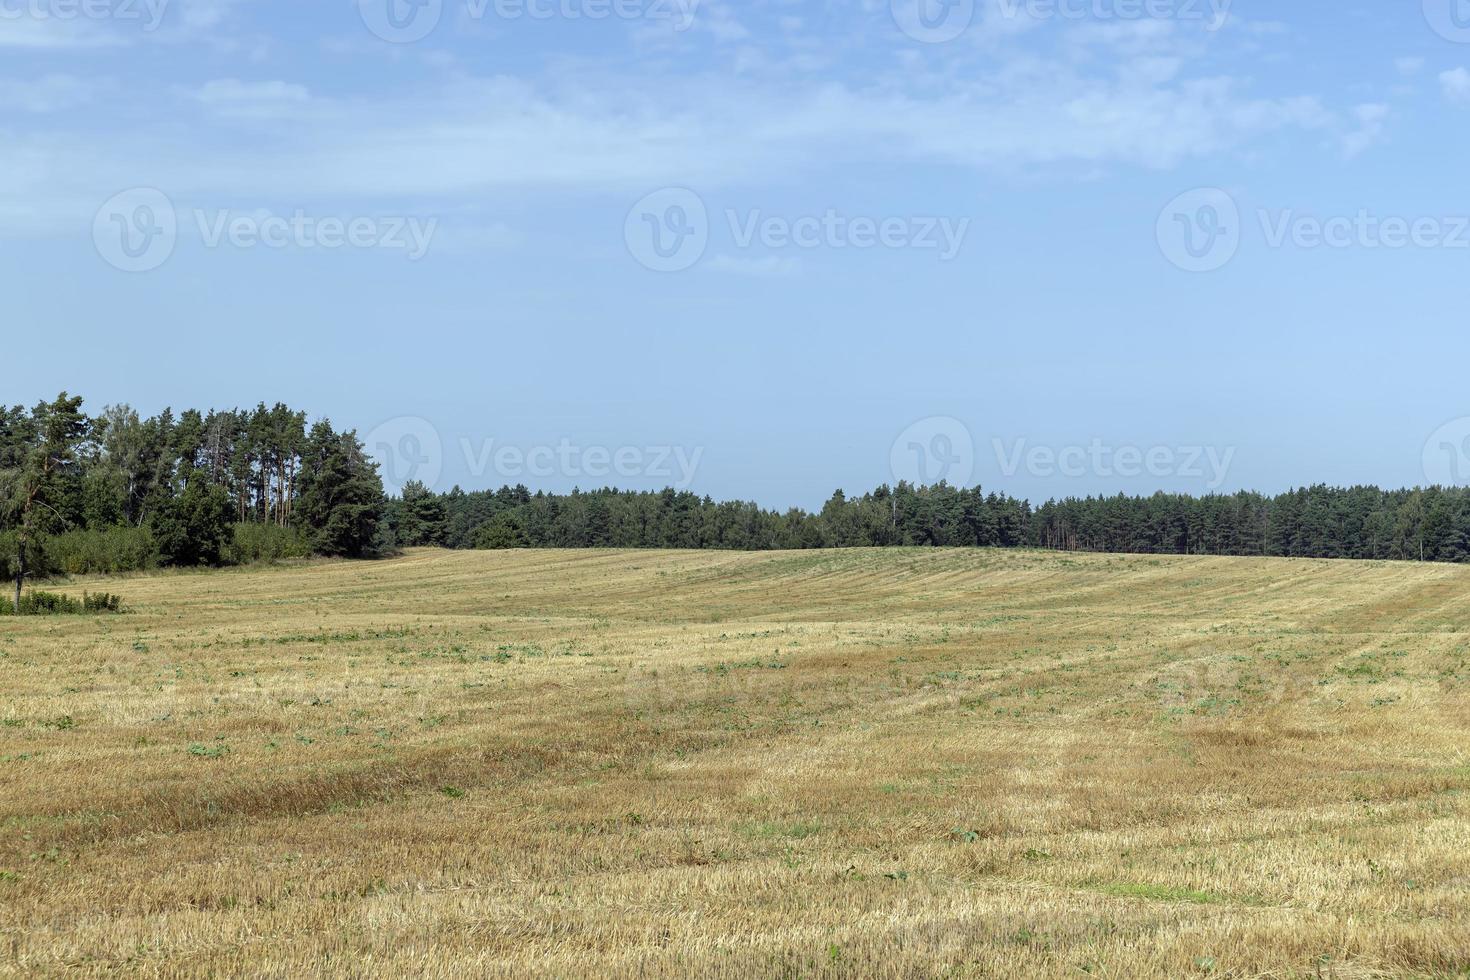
x=1109 y=96
x=472 y=139
x=1455 y=84
x=1409 y=66
x=1370 y=118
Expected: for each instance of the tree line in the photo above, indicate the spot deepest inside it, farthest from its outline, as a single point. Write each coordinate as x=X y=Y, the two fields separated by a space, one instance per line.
x=117 y=492
x=1430 y=524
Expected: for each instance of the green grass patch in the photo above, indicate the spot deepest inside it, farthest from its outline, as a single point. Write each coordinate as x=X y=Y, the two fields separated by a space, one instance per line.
x=792 y=831
x=1165 y=893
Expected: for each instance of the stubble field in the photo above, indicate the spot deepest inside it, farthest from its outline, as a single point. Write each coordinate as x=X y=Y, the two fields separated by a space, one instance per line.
x=861 y=763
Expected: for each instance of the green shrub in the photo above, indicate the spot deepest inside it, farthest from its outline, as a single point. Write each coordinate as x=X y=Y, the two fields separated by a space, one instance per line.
x=48 y=604
x=503 y=532
x=38 y=603
x=265 y=542
x=102 y=551
x=101 y=602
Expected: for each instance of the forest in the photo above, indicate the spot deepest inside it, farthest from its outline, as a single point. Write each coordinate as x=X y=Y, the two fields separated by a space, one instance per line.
x=1315 y=522
x=118 y=492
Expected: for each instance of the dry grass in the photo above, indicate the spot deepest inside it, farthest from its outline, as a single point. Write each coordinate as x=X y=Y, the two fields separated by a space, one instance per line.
x=834 y=764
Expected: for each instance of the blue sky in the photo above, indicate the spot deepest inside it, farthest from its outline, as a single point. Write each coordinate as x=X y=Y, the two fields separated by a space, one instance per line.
x=875 y=232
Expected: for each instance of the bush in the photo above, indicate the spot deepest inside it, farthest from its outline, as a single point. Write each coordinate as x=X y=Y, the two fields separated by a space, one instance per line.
x=48 y=604
x=193 y=528
x=56 y=604
x=103 y=551
x=503 y=532
x=101 y=602
x=265 y=542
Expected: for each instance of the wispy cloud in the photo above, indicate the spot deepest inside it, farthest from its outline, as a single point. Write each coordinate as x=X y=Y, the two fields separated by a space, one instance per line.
x=1370 y=118
x=1455 y=84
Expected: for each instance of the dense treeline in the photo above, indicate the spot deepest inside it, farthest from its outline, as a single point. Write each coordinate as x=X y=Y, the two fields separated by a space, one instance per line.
x=117 y=492
x=1430 y=524
x=513 y=517
x=1322 y=522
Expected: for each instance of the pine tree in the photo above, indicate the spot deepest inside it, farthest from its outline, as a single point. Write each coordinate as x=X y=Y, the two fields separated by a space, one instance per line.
x=44 y=453
x=341 y=494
